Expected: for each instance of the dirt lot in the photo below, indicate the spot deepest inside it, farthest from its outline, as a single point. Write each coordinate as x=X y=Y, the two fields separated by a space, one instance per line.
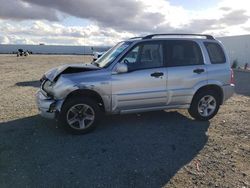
x=153 y=149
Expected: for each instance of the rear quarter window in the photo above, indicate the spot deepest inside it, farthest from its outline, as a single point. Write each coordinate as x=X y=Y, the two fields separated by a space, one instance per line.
x=215 y=53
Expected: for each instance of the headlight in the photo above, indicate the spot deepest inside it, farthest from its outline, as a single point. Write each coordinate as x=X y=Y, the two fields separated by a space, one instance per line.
x=48 y=87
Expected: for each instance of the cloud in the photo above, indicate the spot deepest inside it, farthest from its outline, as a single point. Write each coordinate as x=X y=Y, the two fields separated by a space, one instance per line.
x=219 y=21
x=122 y=15
x=143 y=16
x=231 y=18
x=19 y=10
x=37 y=21
x=4 y=40
x=235 y=17
x=35 y=32
x=225 y=8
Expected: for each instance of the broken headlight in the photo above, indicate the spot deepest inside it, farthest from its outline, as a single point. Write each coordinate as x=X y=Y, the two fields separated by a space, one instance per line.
x=48 y=87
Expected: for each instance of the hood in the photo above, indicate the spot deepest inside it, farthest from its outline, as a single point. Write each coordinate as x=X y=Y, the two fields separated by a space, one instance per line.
x=54 y=73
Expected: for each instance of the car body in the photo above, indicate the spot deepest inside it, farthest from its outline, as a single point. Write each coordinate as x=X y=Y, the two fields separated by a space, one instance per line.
x=156 y=72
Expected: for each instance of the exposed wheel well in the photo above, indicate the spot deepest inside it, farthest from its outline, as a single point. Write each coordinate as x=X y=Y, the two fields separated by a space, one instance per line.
x=215 y=88
x=86 y=93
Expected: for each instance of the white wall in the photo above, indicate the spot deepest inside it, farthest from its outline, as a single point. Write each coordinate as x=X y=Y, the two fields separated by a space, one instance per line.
x=238 y=48
x=50 y=49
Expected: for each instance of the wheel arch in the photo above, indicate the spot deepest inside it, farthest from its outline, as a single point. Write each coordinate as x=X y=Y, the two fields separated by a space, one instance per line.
x=213 y=87
x=86 y=93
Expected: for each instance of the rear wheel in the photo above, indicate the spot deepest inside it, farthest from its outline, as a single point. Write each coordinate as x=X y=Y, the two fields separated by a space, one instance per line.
x=80 y=115
x=205 y=105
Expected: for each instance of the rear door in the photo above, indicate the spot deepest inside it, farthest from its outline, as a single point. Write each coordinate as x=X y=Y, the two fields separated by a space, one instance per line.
x=186 y=69
x=218 y=68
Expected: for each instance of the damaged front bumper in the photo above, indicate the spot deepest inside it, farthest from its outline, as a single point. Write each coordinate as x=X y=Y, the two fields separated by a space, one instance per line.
x=48 y=108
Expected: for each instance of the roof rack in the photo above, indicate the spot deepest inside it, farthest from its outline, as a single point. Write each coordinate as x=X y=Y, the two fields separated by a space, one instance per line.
x=179 y=34
x=136 y=38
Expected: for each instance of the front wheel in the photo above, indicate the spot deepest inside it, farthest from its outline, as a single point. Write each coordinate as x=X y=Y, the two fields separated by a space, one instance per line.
x=79 y=115
x=205 y=105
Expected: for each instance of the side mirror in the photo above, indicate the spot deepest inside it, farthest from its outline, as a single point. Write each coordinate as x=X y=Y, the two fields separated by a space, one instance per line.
x=121 y=68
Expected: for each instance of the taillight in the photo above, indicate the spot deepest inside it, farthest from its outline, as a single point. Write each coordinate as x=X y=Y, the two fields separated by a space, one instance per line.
x=232 y=77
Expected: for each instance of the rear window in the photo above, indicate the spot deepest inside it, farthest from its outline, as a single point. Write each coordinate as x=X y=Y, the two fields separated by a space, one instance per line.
x=183 y=53
x=215 y=53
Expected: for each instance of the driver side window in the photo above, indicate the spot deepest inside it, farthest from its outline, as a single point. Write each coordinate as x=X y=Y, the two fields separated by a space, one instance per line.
x=132 y=56
x=144 y=56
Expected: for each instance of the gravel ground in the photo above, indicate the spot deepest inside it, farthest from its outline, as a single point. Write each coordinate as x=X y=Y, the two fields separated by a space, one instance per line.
x=156 y=149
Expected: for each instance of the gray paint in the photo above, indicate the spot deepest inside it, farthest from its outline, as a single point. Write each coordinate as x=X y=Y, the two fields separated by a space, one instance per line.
x=138 y=91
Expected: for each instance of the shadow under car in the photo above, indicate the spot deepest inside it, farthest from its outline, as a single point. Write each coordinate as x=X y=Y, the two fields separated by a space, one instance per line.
x=133 y=150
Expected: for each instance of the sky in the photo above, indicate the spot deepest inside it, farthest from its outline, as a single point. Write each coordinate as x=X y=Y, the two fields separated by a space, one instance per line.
x=106 y=22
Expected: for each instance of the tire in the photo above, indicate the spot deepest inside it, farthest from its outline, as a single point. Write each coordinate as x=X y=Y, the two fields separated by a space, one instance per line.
x=80 y=115
x=205 y=105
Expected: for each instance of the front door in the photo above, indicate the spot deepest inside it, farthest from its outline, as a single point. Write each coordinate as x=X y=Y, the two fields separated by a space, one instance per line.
x=145 y=83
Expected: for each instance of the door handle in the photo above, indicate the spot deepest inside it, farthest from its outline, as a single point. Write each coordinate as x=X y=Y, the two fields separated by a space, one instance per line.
x=157 y=74
x=198 y=71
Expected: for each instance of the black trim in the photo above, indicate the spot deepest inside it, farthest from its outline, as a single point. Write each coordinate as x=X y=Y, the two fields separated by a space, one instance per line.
x=198 y=71
x=157 y=74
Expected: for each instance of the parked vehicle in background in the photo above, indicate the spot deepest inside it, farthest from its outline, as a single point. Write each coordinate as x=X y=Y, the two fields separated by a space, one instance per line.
x=21 y=52
x=155 y=72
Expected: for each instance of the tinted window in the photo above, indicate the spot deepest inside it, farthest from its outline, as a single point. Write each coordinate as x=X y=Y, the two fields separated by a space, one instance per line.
x=215 y=53
x=144 y=56
x=183 y=53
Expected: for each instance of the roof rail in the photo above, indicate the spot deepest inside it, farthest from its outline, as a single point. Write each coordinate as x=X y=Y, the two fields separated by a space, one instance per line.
x=178 y=34
x=136 y=38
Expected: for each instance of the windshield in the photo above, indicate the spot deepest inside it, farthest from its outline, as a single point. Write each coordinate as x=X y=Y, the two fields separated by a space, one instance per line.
x=111 y=54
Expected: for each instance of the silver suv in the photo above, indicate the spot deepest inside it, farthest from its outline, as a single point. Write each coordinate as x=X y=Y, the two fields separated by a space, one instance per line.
x=155 y=72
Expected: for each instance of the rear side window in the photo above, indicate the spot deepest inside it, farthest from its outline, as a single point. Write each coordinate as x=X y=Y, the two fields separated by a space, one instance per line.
x=183 y=53
x=215 y=53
